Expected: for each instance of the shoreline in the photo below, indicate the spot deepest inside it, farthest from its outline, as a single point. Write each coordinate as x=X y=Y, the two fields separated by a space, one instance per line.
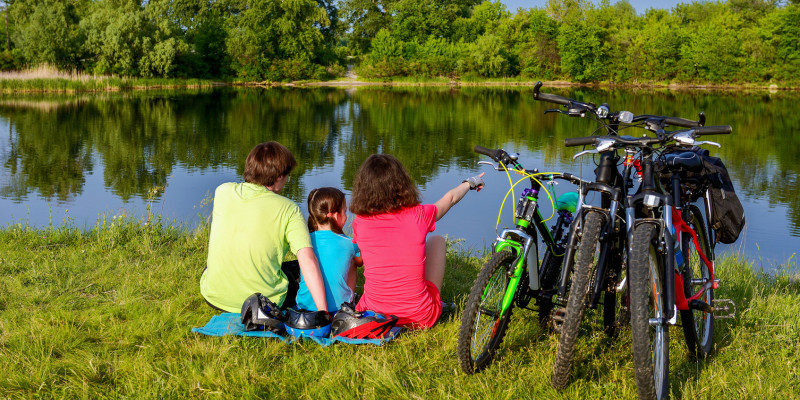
x=59 y=85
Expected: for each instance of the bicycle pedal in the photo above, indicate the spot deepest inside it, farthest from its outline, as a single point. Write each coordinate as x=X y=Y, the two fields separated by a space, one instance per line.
x=724 y=308
x=557 y=318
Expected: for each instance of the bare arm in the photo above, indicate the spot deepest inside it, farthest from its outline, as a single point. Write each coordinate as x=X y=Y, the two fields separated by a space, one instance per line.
x=309 y=267
x=452 y=197
x=351 y=276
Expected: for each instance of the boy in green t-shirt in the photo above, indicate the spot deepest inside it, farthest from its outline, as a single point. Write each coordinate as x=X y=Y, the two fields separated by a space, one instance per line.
x=252 y=227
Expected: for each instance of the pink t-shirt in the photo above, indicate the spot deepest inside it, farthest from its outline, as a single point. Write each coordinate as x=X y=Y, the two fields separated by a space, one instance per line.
x=393 y=248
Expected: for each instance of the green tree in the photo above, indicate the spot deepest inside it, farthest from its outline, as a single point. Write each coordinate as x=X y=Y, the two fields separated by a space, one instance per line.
x=47 y=31
x=786 y=39
x=580 y=46
x=713 y=51
x=531 y=37
x=364 y=18
x=654 y=53
x=277 y=40
x=485 y=17
x=487 y=57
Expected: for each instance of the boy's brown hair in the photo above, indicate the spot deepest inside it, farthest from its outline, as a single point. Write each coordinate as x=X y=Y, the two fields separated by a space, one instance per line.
x=321 y=202
x=382 y=185
x=267 y=162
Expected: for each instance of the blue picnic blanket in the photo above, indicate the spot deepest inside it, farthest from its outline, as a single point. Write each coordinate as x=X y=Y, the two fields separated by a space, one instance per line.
x=230 y=324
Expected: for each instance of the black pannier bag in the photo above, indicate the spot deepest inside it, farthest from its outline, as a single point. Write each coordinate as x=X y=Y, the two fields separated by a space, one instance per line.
x=727 y=213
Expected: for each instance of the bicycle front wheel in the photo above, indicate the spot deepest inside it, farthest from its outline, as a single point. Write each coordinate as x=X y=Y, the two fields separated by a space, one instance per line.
x=649 y=329
x=585 y=258
x=483 y=324
x=698 y=326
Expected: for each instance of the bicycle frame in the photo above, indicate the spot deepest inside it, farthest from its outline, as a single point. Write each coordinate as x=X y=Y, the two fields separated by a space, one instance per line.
x=526 y=243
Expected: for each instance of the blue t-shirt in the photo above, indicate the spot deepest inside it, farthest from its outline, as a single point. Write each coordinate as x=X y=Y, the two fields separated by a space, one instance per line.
x=335 y=253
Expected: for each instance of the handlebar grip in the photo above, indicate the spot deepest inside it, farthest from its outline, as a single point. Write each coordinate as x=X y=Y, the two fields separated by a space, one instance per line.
x=713 y=130
x=686 y=123
x=486 y=152
x=581 y=141
x=552 y=98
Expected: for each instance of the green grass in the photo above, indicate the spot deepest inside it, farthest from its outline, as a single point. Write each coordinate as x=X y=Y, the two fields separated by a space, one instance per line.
x=97 y=84
x=106 y=312
x=49 y=79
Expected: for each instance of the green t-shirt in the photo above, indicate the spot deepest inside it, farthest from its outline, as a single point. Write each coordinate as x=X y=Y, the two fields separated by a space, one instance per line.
x=251 y=230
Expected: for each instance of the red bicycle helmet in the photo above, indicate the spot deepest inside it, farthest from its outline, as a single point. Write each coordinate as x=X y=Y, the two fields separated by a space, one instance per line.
x=348 y=323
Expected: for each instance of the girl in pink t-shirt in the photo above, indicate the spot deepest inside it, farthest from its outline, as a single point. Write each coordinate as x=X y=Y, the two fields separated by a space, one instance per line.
x=403 y=271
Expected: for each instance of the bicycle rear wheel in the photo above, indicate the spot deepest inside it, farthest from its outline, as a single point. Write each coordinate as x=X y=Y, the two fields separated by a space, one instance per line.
x=698 y=326
x=585 y=258
x=649 y=329
x=615 y=297
x=482 y=325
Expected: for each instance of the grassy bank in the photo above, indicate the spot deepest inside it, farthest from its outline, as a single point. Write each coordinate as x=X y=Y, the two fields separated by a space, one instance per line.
x=46 y=79
x=50 y=80
x=107 y=312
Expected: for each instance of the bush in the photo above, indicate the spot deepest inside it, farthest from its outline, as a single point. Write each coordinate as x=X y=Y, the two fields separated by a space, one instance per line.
x=11 y=60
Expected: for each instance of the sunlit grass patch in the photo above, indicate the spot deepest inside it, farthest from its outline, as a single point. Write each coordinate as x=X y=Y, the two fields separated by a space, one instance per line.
x=45 y=78
x=107 y=311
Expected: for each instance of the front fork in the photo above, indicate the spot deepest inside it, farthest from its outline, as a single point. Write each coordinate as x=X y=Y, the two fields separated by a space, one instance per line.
x=665 y=242
x=518 y=267
x=606 y=237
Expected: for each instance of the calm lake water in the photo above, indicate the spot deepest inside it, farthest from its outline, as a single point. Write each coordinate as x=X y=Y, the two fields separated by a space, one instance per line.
x=76 y=158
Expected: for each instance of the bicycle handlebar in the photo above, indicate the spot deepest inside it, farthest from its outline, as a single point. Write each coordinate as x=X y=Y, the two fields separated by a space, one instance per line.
x=685 y=123
x=580 y=141
x=662 y=121
x=552 y=98
x=494 y=154
x=713 y=130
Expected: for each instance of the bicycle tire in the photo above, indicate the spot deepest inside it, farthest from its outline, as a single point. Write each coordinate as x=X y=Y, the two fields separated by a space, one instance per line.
x=615 y=302
x=576 y=301
x=698 y=326
x=485 y=299
x=552 y=269
x=650 y=342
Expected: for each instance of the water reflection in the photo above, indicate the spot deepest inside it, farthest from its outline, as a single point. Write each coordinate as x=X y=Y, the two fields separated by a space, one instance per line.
x=173 y=147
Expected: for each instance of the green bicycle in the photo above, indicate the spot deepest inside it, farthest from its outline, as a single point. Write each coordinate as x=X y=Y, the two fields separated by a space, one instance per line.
x=513 y=274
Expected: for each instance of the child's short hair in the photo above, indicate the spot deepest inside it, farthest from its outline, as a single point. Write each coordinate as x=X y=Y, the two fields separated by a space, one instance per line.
x=321 y=202
x=382 y=185
x=267 y=162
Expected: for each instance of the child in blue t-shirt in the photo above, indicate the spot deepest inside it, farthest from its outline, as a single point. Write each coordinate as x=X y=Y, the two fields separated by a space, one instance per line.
x=337 y=254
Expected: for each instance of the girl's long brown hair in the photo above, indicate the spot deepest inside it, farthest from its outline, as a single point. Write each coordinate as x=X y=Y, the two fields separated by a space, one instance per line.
x=382 y=185
x=321 y=202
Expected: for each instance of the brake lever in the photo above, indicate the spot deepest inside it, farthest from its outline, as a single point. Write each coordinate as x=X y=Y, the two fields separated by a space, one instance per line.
x=702 y=142
x=495 y=167
x=590 y=151
x=554 y=110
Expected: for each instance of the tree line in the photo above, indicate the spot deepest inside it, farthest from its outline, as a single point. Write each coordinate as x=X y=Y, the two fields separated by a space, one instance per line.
x=733 y=41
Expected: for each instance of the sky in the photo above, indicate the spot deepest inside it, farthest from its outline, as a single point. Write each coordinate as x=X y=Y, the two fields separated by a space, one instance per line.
x=640 y=5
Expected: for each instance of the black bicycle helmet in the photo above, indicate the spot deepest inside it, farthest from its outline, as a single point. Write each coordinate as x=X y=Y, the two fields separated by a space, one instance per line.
x=308 y=323
x=261 y=314
x=361 y=325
